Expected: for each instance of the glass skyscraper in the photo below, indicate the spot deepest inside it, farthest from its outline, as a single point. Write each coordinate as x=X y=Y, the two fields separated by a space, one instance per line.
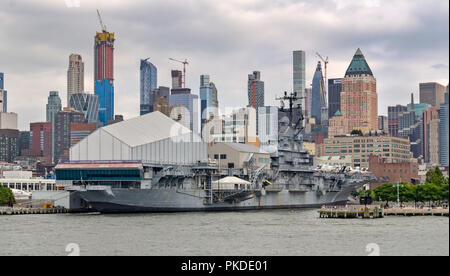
x=182 y=97
x=149 y=79
x=86 y=103
x=208 y=99
x=334 y=96
x=104 y=89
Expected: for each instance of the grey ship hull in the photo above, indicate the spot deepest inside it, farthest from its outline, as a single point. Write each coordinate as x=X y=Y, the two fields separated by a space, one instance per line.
x=159 y=200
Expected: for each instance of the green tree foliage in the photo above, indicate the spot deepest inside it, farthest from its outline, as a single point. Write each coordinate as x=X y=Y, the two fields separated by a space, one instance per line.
x=408 y=192
x=6 y=195
x=436 y=177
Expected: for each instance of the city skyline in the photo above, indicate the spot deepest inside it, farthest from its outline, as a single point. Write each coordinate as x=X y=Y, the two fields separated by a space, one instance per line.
x=227 y=57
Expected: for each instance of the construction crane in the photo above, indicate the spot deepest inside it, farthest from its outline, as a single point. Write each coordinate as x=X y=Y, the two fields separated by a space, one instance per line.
x=185 y=62
x=325 y=61
x=101 y=21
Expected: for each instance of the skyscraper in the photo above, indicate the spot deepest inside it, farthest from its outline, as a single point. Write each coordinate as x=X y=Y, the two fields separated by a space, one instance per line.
x=188 y=102
x=432 y=93
x=444 y=132
x=104 y=74
x=334 y=96
x=255 y=90
x=149 y=79
x=299 y=65
x=208 y=99
x=177 y=79
x=53 y=105
x=393 y=112
x=42 y=140
x=88 y=104
x=104 y=89
x=308 y=102
x=3 y=94
x=63 y=120
x=359 y=99
x=318 y=95
x=75 y=76
x=2 y=81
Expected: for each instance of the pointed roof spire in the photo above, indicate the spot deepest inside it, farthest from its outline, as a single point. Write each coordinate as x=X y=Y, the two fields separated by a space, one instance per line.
x=359 y=65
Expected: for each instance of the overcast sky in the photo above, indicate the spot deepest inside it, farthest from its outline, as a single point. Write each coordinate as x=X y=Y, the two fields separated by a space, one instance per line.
x=405 y=42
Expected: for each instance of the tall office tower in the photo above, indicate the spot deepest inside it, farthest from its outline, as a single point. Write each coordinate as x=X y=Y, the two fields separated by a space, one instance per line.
x=359 y=99
x=383 y=124
x=75 y=76
x=299 y=65
x=177 y=79
x=104 y=74
x=334 y=96
x=86 y=103
x=255 y=90
x=104 y=89
x=187 y=107
x=159 y=100
x=308 y=103
x=62 y=131
x=318 y=95
x=431 y=121
x=208 y=99
x=149 y=79
x=410 y=124
x=268 y=128
x=3 y=94
x=24 y=143
x=42 y=141
x=393 y=112
x=432 y=93
x=53 y=106
x=444 y=132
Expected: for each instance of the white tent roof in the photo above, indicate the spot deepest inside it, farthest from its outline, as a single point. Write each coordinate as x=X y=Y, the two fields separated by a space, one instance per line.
x=231 y=180
x=149 y=128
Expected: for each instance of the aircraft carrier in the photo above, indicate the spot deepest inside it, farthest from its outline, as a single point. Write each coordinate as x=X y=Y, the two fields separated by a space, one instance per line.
x=139 y=186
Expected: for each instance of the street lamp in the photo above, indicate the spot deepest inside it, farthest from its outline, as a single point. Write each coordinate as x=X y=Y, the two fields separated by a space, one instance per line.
x=398 y=185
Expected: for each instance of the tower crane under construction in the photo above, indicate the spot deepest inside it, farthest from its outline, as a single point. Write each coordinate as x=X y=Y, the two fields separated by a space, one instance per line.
x=325 y=61
x=185 y=62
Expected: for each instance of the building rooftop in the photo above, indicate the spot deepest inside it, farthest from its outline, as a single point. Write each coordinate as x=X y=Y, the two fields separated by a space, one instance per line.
x=359 y=65
x=149 y=128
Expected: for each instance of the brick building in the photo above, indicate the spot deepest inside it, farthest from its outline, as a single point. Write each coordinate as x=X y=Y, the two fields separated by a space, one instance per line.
x=387 y=172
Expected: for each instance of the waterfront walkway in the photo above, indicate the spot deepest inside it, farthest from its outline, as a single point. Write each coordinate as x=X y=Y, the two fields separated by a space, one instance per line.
x=372 y=212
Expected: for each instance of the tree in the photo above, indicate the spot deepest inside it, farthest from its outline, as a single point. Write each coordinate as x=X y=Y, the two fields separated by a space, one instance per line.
x=435 y=176
x=431 y=192
x=385 y=193
x=6 y=196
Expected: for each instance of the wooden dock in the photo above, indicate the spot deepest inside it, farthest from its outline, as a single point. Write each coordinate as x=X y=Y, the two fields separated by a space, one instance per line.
x=32 y=211
x=416 y=212
x=371 y=213
x=352 y=213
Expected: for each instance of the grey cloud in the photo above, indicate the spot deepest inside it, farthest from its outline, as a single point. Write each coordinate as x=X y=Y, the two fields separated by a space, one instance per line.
x=402 y=41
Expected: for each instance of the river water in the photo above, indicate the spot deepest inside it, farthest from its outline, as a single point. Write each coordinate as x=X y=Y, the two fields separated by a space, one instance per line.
x=264 y=233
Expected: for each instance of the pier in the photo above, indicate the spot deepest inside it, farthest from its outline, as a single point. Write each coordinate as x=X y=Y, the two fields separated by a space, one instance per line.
x=32 y=211
x=376 y=212
x=349 y=213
